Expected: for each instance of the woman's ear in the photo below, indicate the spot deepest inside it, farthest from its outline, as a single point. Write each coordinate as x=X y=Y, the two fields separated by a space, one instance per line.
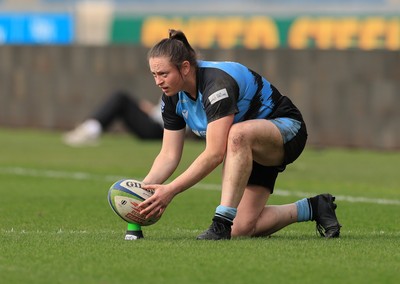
x=185 y=67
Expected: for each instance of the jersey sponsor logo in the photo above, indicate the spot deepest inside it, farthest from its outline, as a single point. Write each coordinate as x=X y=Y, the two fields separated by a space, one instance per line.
x=218 y=95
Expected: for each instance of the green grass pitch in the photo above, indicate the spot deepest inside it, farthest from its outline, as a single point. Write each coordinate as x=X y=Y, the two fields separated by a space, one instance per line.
x=56 y=225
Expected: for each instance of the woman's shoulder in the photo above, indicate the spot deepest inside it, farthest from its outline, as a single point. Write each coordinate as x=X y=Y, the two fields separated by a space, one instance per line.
x=219 y=64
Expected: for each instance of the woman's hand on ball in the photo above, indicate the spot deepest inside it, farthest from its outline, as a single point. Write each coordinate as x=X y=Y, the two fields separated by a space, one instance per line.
x=155 y=205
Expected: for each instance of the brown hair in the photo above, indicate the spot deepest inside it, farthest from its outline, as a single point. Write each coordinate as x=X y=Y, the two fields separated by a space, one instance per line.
x=176 y=47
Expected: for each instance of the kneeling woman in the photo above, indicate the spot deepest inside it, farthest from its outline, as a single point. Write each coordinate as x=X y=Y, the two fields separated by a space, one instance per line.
x=248 y=125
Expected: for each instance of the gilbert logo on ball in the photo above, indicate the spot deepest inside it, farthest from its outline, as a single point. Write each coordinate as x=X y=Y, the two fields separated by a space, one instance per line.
x=124 y=197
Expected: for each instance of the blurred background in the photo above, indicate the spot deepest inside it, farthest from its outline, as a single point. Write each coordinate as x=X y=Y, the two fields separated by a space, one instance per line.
x=338 y=60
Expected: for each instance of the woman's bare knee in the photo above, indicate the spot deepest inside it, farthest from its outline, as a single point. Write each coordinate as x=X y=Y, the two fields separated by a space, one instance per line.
x=237 y=138
x=243 y=230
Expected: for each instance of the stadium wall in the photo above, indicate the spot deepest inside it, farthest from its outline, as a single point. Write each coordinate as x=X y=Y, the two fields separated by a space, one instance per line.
x=349 y=98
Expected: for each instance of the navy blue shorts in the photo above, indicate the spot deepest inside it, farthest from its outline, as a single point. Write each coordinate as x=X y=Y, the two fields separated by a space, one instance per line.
x=294 y=134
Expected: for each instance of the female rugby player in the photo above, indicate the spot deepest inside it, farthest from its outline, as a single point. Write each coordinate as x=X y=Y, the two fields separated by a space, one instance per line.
x=248 y=126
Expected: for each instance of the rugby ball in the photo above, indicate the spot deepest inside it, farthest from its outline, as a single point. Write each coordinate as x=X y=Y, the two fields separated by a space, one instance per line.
x=124 y=197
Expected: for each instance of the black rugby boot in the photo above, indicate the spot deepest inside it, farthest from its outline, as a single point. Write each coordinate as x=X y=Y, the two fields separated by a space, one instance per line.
x=324 y=215
x=220 y=229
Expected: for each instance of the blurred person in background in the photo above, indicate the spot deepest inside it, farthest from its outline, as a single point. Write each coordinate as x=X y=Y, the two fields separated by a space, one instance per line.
x=142 y=119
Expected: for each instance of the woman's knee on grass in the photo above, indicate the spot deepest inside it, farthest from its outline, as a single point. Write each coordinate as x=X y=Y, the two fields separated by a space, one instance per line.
x=268 y=222
x=245 y=228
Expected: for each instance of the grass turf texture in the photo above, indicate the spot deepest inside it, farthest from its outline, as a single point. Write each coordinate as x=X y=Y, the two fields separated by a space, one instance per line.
x=57 y=227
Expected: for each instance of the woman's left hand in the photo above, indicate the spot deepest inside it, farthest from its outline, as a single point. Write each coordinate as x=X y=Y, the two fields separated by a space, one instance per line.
x=156 y=204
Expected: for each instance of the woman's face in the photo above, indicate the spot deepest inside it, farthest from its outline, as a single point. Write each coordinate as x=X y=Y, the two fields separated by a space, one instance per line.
x=166 y=75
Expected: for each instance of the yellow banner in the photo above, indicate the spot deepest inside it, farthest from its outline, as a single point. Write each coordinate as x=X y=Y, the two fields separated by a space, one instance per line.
x=373 y=32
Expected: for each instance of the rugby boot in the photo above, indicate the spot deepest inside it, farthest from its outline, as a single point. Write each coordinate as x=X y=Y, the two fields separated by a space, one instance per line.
x=327 y=223
x=220 y=229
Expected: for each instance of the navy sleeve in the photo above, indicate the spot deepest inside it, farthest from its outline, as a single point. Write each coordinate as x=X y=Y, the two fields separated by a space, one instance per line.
x=220 y=93
x=172 y=121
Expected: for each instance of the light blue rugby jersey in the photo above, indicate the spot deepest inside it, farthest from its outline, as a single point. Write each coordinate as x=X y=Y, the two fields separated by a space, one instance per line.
x=224 y=88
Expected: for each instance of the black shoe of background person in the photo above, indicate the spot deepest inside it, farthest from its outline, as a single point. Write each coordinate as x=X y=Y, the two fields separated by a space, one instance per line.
x=133 y=235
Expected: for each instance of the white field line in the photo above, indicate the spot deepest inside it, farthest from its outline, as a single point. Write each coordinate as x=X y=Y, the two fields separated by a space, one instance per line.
x=205 y=186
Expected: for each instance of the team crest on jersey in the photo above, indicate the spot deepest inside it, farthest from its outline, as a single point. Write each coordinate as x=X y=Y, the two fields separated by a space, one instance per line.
x=185 y=113
x=218 y=95
x=162 y=106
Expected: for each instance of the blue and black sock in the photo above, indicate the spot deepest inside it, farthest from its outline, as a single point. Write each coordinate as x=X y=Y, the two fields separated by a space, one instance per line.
x=313 y=201
x=225 y=214
x=304 y=210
